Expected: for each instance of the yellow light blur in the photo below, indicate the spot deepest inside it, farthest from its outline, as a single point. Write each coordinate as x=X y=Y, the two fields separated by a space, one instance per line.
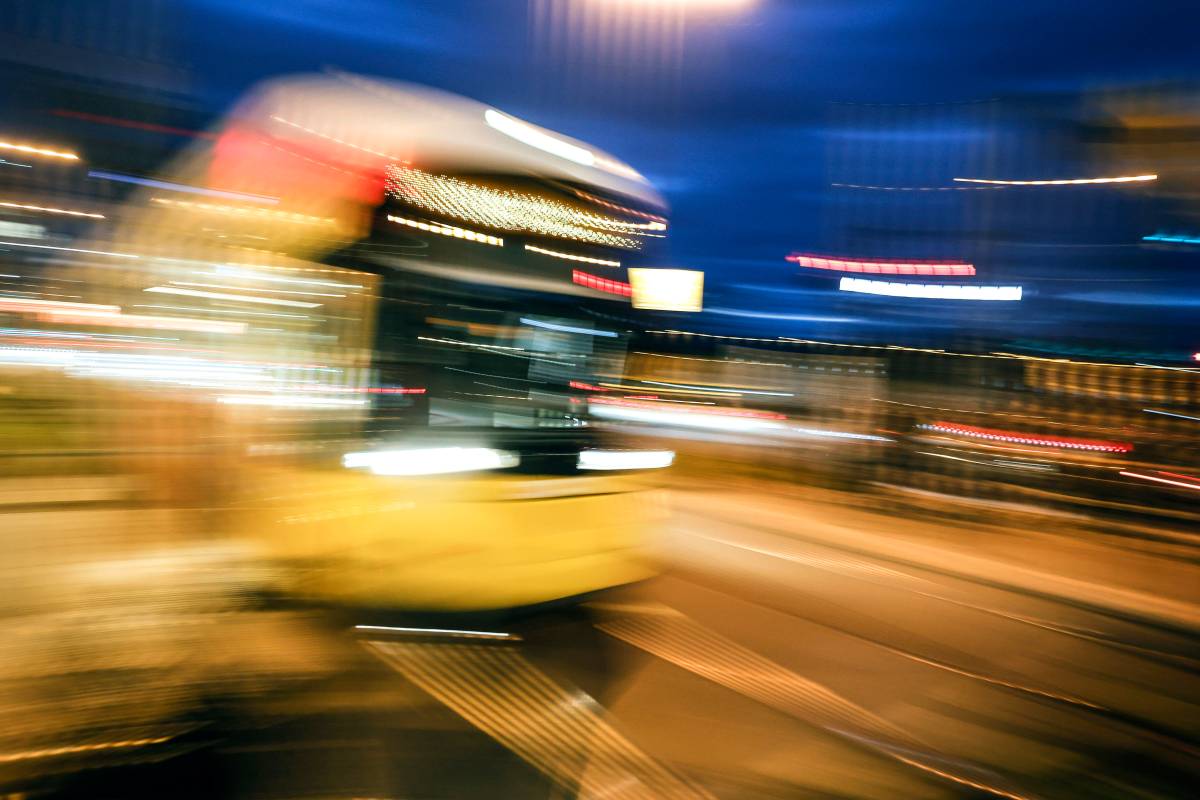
x=667 y=289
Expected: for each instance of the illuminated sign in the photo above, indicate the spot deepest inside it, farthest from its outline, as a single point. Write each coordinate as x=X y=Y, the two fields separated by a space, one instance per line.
x=667 y=289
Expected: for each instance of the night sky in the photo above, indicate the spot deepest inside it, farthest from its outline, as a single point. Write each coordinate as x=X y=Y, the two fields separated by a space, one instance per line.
x=734 y=119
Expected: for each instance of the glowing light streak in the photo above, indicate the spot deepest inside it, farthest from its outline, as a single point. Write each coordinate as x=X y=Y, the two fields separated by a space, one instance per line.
x=534 y=137
x=438 y=632
x=1022 y=438
x=914 y=188
x=1164 y=366
x=234 y=271
x=431 y=461
x=625 y=459
x=449 y=230
x=1173 y=239
x=570 y=257
x=122 y=320
x=242 y=288
x=239 y=298
x=26 y=755
x=884 y=267
x=623 y=209
x=931 y=291
x=180 y=187
x=587 y=387
x=51 y=210
x=31 y=305
x=553 y=326
x=38 y=151
x=601 y=284
x=1062 y=182
x=288 y=401
x=719 y=389
x=1171 y=414
x=1160 y=480
x=263 y=213
x=239 y=312
x=71 y=250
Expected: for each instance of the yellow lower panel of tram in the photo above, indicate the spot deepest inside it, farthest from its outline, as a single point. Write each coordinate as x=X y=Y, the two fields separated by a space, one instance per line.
x=450 y=543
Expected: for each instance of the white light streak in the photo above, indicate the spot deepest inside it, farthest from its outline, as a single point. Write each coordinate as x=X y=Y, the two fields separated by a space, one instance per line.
x=288 y=401
x=930 y=291
x=1064 y=182
x=437 y=632
x=571 y=257
x=625 y=459
x=534 y=137
x=234 y=271
x=553 y=326
x=51 y=210
x=242 y=288
x=719 y=389
x=71 y=250
x=240 y=298
x=1171 y=414
x=431 y=461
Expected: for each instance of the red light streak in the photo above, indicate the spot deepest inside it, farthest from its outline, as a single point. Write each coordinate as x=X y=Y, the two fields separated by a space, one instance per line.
x=882 y=266
x=129 y=123
x=393 y=390
x=601 y=284
x=587 y=387
x=1018 y=437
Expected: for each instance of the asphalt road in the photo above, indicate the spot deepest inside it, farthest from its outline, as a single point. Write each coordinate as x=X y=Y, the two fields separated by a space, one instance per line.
x=825 y=651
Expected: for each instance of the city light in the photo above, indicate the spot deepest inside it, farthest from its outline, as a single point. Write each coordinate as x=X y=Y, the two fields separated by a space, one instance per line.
x=882 y=267
x=930 y=291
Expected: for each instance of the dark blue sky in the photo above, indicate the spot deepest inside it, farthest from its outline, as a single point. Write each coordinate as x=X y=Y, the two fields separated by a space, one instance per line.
x=733 y=120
